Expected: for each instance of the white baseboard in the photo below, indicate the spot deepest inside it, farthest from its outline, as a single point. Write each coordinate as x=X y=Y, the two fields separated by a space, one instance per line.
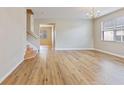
x=107 y=52
x=91 y=49
x=74 y=48
x=5 y=76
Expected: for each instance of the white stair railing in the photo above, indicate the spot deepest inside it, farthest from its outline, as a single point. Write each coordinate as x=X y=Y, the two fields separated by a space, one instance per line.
x=32 y=46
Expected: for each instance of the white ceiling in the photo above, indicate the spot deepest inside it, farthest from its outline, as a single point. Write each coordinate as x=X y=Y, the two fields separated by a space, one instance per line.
x=68 y=12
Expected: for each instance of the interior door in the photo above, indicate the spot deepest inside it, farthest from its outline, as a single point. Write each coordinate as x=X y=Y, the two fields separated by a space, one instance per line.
x=46 y=36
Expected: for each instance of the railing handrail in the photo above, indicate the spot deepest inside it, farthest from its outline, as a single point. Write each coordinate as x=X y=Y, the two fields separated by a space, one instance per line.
x=33 y=35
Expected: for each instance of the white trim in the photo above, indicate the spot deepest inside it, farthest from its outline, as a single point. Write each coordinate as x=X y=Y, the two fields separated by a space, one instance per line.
x=107 y=52
x=7 y=74
x=45 y=25
x=74 y=48
x=53 y=32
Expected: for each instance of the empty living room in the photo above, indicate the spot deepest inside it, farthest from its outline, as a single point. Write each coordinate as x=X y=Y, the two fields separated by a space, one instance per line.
x=62 y=46
x=59 y=46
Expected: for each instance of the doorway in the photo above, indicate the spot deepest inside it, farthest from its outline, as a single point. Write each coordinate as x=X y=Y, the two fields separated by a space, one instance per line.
x=47 y=35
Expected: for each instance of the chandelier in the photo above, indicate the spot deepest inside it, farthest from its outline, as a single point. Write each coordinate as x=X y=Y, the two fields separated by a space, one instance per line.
x=93 y=12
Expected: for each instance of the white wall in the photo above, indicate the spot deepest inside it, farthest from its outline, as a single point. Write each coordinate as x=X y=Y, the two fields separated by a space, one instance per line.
x=112 y=47
x=12 y=39
x=70 y=33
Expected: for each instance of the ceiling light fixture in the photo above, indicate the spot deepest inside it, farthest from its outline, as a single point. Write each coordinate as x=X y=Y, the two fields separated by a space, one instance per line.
x=93 y=12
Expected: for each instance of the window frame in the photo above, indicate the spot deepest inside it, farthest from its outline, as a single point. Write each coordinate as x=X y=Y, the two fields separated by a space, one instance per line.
x=114 y=27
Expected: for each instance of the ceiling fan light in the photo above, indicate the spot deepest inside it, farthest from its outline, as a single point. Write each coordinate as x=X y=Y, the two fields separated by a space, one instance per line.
x=98 y=11
x=87 y=14
x=91 y=15
x=93 y=12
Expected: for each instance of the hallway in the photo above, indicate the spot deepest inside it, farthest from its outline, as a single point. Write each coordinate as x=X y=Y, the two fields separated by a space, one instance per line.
x=69 y=67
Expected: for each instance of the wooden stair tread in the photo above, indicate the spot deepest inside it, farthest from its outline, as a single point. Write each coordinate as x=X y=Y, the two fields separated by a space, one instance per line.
x=30 y=53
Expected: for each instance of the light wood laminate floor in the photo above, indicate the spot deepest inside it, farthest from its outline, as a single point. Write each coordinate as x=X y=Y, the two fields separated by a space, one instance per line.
x=69 y=67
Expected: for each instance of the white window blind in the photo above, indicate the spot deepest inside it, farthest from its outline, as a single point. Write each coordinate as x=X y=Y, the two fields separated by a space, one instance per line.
x=113 y=30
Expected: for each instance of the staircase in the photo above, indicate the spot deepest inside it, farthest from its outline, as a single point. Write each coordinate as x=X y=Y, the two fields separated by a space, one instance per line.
x=30 y=52
x=32 y=46
x=32 y=38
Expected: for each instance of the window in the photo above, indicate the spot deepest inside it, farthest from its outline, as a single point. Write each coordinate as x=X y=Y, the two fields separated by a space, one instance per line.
x=43 y=34
x=109 y=35
x=113 y=30
x=118 y=34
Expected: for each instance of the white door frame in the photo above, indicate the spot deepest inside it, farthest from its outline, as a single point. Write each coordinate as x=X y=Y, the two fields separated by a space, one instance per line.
x=53 y=32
